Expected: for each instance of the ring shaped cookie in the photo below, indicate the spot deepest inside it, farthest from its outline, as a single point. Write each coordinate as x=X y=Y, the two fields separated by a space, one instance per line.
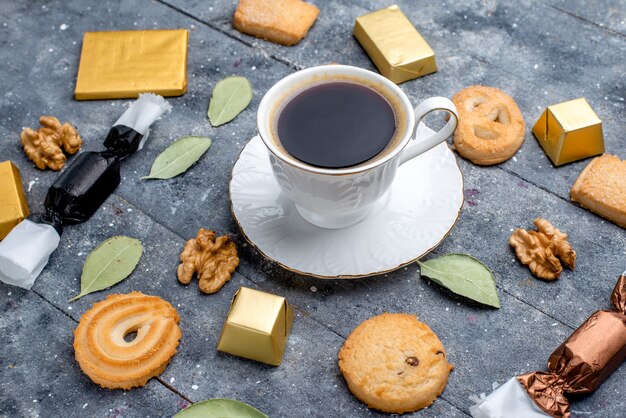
x=491 y=126
x=112 y=362
x=394 y=363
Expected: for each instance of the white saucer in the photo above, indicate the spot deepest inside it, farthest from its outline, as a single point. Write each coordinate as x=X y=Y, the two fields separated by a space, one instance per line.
x=414 y=216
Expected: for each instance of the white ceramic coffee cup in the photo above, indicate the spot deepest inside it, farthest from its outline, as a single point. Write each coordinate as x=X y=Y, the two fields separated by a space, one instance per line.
x=338 y=198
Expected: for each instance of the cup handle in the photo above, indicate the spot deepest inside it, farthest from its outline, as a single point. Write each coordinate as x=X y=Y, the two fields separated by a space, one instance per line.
x=415 y=147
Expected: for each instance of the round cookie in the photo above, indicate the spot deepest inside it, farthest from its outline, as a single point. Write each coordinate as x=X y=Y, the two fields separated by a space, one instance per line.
x=394 y=363
x=491 y=126
x=112 y=362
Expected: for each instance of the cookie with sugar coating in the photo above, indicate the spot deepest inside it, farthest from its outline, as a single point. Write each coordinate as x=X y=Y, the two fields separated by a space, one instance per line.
x=394 y=363
x=284 y=22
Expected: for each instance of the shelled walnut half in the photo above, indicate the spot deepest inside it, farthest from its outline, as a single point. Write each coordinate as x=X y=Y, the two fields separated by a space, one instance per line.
x=212 y=259
x=543 y=250
x=45 y=146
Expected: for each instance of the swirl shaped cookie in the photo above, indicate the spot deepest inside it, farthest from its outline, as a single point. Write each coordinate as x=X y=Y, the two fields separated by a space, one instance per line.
x=394 y=363
x=107 y=358
x=491 y=126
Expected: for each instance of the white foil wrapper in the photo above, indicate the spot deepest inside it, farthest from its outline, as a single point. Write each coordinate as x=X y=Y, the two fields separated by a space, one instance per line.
x=25 y=252
x=508 y=401
x=142 y=113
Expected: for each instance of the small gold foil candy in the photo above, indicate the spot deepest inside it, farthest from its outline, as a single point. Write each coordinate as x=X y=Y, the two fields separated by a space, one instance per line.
x=569 y=131
x=257 y=326
x=394 y=45
x=122 y=64
x=13 y=204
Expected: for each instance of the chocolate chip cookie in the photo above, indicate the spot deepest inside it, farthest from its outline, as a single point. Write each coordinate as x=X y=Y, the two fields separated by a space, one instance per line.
x=394 y=363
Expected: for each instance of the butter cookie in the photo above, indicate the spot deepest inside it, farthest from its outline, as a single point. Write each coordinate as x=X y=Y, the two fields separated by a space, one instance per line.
x=601 y=188
x=100 y=344
x=284 y=22
x=491 y=126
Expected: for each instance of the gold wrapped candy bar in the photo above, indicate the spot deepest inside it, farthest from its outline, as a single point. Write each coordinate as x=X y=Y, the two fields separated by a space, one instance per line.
x=257 y=326
x=394 y=45
x=13 y=204
x=123 y=64
x=569 y=131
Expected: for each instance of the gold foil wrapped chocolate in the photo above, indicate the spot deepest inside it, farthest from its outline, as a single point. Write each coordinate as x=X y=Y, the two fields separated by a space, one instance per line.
x=585 y=360
x=257 y=326
x=394 y=45
x=569 y=131
x=13 y=203
x=123 y=64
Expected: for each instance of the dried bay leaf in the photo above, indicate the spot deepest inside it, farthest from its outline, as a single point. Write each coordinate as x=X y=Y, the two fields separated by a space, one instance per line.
x=463 y=275
x=220 y=408
x=178 y=157
x=229 y=98
x=110 y=263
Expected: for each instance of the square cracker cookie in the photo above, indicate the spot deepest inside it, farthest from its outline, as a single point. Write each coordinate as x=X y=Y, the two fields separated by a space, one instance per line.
x=282 y=21
x=601 y=188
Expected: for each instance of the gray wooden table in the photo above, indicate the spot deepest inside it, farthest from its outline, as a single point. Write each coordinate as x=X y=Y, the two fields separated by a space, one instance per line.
x=541 y=53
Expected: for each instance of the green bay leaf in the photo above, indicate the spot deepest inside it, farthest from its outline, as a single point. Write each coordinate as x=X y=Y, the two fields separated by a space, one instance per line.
x=110 y=263
x=464 y=275
x=178 y=157
x=229 y=98
x=220 y=408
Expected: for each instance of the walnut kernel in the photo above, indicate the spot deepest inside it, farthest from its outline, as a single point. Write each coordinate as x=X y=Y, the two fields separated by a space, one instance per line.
x=212 y=259
x=544 y=250
x=563 y=249
x=43 y=146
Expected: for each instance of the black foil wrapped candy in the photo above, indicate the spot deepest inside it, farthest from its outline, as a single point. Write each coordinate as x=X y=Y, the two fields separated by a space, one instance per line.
x=77 y=193
x=80 y=190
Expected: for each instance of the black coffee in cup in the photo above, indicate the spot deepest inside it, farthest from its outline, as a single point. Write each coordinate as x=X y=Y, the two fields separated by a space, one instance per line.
x=336 y=124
